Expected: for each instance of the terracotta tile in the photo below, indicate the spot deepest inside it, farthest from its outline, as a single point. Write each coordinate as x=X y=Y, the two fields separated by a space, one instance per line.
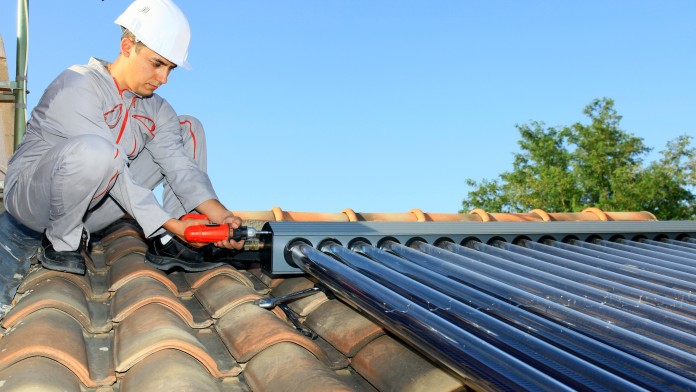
x=631 y=216
x=288 y=367
x=63 y=295
x=256 y=270
x=197 y=279
x=291 y=285
x=265 y=216
x=436 y=217
x=121 y=228
x=172 y=370
x=143 y=291
x=259 y=284
x=389 y=217
x=573 y=216
x=40 y=275
x=514 y=217
x=132 y=267
x=248 y=329
x=52 y=334
x=123 y=246
x=38 y=374
x=314 y=216
x=153 y=328
x=390 y=366
x=343 y=327
x=302 y=306
x=223 y=293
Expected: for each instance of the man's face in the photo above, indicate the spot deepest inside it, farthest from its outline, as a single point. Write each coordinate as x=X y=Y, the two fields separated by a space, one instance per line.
x=147 y=70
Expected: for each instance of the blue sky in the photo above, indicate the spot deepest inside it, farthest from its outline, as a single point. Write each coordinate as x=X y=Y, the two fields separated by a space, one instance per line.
x=385 y=106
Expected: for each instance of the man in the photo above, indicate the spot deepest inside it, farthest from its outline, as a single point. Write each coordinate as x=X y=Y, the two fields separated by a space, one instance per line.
x=100 y=140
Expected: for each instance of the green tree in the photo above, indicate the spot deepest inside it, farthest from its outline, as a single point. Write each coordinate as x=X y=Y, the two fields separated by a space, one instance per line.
x=599 y=165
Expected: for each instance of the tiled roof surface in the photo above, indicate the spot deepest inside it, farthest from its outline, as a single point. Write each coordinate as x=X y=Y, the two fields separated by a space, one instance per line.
x=560 y=312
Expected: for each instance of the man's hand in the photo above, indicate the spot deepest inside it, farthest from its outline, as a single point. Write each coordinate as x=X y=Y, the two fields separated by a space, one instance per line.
x=178 y=228
x=217 y=213
x=234 y=223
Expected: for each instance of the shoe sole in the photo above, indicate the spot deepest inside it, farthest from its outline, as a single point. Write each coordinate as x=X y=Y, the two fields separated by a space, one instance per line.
x=73 y=268
x=168 y=263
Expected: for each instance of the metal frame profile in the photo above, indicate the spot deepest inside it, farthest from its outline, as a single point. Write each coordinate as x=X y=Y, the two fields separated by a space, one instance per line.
x=276 y=257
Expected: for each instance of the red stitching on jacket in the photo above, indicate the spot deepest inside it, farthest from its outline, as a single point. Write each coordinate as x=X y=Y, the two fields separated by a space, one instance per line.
x=125 y=121
x=118 y=107
x=120 y=92
x=135 y=146
x=108 y=186
x=123 y=126
x=150 y=125
x=193 y=135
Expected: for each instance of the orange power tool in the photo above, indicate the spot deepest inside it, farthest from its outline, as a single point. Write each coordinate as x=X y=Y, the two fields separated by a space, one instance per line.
x=218 y=232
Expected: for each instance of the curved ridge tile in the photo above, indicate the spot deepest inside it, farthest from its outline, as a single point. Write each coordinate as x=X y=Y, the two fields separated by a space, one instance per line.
x=38 y=374
x=41 y=275
x=390 y=366
x=248 y=329
x=58 y=294
x=223 y=293
x=170 y=370
x=124 y=246
x=52 y=334
x=344 y=328
x=288 y=367
x=302 y=306
x=143 y=291
x=197 y=279
x=132 y=267
x=153 y=328
x=119 y=229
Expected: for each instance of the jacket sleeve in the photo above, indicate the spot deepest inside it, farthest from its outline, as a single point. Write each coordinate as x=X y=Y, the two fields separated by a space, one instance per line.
x=190 y=184
x=71 y=106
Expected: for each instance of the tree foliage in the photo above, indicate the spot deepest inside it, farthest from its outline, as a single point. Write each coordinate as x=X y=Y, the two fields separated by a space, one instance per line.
x=568 y=169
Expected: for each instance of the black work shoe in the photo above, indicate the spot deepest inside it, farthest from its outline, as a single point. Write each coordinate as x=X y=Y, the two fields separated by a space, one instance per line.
x=176 y=254
x=213 y=253
x=66 y=261
x=236 y=258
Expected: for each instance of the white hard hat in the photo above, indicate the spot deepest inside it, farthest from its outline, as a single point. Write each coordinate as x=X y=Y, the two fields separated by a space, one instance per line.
x=161 y=26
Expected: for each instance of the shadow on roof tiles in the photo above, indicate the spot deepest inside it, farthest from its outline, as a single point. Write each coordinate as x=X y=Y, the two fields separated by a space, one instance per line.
x=391 y=366
x=123 y=246
x=119 y=229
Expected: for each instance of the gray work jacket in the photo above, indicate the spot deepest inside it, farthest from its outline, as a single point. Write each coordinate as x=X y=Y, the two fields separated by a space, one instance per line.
x=85 y=99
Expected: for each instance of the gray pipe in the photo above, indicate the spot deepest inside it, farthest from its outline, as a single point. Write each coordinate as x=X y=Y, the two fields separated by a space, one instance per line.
x=20 y=92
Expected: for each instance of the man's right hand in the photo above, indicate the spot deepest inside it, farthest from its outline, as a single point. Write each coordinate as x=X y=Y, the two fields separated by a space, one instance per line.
x=178 y=228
